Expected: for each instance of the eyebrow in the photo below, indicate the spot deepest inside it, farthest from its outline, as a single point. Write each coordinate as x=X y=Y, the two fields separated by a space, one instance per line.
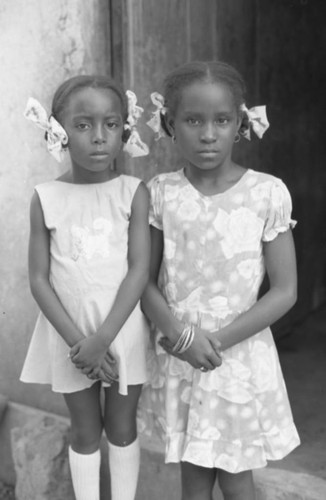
x=200 y=113
x=89 y=116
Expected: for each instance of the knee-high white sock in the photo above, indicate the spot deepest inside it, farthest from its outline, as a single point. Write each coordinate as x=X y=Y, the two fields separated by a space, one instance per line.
x=124 y=469
x=85 y=474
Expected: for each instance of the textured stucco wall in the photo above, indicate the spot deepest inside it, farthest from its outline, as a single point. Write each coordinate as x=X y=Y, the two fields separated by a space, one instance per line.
x=41 y=44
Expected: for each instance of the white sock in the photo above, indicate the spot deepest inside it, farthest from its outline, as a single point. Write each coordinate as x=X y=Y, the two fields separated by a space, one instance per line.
x=85 y=474
x=124 y=464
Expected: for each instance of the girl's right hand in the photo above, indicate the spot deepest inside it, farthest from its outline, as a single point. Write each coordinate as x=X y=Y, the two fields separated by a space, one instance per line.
x=107 y=372
x=203 y=353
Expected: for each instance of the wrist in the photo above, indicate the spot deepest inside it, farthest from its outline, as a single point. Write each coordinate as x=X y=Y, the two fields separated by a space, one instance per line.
x=175 y=330
x=104 y=338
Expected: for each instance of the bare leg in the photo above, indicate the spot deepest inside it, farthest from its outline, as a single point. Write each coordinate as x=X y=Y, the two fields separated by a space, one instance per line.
x=238 y=486
x=120 y=414
x=121 y=430
x=197 y=482
x=86 y=419
x=84 y=453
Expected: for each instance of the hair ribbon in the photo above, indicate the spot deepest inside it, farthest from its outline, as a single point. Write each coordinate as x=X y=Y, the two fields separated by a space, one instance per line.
x=155 y=122
x=56 y=136
x=257 y=120
x=135 y=147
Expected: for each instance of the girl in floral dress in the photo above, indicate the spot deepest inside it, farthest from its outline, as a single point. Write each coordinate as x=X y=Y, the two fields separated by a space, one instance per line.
x=216 y=392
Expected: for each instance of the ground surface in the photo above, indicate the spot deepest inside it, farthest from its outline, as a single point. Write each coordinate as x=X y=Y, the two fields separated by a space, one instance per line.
x=303 y=360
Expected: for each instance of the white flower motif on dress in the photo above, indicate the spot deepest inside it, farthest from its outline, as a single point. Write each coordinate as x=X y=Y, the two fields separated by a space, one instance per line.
x=155 y=374
x=193 y=421
x=200 y=453
x=188 y=192
x=188 y=210
x=191 y=302
x=227 y=462
x=250 y=268
x=265 y=374
x=171 y=292
x=171 y=192
x=169 y=248
x=88 y=242
x=230 y=381
x=220 y=306
x=260 y=191
x=241 y=231
x=178 y=368
x=211 y=433
x=186 y=395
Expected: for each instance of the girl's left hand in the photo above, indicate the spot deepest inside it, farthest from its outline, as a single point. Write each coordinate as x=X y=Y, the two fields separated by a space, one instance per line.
x=89 y=353
x=201 y=356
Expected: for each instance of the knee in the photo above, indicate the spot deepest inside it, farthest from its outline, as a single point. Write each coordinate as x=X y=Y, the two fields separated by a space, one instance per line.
x=85 y=439
x=121 y=431
x=235 y=485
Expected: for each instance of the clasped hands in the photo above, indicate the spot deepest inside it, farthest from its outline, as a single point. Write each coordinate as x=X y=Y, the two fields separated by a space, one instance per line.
x=92 y=357
x=204 y=352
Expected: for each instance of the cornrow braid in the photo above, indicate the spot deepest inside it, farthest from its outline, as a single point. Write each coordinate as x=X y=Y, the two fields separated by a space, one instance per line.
x=200 y=71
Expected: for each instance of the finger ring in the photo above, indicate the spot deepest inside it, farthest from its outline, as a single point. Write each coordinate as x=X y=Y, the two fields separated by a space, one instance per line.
x=203 y=369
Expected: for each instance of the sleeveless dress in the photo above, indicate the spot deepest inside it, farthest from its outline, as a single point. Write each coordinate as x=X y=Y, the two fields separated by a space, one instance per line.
x=237 y=416
x=88 y=226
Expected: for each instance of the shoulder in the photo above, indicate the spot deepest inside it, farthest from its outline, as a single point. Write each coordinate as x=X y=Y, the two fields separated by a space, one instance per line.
x=129 y=184
x=165 y=179
x=262 y=185
x=254 y=178
x=132 y=193
x=46 y=190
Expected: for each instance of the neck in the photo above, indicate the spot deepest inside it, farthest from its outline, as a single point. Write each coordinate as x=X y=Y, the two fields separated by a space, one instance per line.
x=81 y=176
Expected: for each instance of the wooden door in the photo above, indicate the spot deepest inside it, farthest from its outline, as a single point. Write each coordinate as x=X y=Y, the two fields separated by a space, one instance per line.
x=277 y=46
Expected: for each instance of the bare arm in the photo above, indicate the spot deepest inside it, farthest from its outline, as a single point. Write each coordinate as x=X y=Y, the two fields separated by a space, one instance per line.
x=154 y=304
x=280 y=264
x=89 y=353
x=203 y=351
x=39 y=268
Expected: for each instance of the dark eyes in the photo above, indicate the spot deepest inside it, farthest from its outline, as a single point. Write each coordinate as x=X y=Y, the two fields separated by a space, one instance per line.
x=86 y=126
x=195 y=122
x=82 y=126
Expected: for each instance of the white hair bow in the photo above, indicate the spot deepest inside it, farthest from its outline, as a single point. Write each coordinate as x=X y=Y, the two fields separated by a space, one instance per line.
x=155 y=122
x=56 y=136
x=257 y=119
x=135 y=147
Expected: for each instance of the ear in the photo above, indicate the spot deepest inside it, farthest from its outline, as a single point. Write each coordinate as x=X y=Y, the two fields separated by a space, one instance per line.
x=243 y=122
x=239 y=120
x=125 y=135
x=169 y=123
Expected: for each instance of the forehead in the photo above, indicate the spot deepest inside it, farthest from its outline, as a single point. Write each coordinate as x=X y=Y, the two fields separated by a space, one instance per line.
x=90 y=100
x=202 y=96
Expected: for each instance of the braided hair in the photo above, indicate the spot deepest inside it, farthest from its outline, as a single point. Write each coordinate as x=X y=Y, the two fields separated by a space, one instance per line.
x=76 y=83
x=200 y=71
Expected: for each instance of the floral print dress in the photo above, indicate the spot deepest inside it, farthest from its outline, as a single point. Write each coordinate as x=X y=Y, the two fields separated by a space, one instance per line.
x=237 y=416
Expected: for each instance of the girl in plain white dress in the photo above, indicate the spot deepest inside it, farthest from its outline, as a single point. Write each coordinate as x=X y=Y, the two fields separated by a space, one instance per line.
x=88 y=265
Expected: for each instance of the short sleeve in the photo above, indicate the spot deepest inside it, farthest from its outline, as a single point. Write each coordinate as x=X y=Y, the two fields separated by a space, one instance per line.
x=279 y=213
x=156 y=203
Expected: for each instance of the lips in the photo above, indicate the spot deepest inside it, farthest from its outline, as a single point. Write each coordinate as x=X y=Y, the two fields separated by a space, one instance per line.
x=99 y=154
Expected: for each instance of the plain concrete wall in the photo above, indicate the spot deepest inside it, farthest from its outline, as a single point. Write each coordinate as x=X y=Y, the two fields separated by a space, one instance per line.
x=41 y=44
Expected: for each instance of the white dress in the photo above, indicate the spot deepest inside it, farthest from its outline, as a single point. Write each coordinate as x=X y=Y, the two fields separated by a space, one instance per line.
x=88 y=226
x=237 y=416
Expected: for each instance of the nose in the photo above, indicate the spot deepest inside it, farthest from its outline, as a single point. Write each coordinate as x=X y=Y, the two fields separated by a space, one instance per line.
x=99 y=135
x=209 y=133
